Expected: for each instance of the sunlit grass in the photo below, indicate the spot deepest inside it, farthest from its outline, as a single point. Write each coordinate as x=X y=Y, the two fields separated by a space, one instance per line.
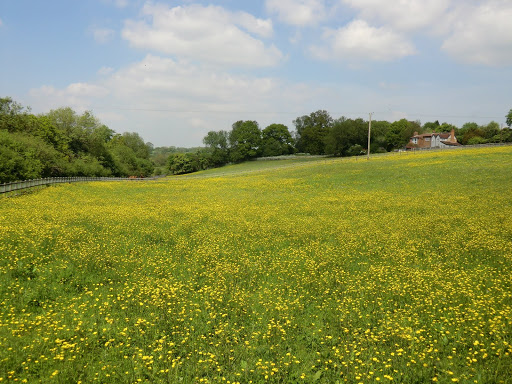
x=397 y=269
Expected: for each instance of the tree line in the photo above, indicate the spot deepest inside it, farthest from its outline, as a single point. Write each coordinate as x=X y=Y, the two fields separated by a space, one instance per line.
x=320 y=134
x=64 y=143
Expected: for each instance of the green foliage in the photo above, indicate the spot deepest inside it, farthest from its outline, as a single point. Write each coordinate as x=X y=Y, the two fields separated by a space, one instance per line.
x=468 y=131
x=217 y=142
x=181 y=163
x=378 y=136
x=504 y=136
x=24 y=157
x=344 y=134
x=245 y=141
x=160 y=156
x=277 y=140
x=446 y=127
x=311 y=132
x=472 y=134
x=430 y=127
x=15 y=162
x=64 y=143
x=400 y=132
x=476 y=140
x=509 y=118
x=490 y=130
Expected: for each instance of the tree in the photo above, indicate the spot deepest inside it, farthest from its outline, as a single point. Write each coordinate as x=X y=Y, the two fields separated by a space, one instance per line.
x=509 y=118
x=276 y=140
x=217 y=143
x=346 y=137
x=23 y=157
x=311 y=132
x=131 y=154
x=11 y=114
x=378 y=136
x=181 y=163
x=245 y=140
x=468 y=131
x=400 y=132
x=431 y=126
x=490 y=130
x=216 y=140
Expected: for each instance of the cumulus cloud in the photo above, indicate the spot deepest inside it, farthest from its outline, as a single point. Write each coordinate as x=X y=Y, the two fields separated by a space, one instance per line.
x=358 y=41
x=298 y=12
x=163 y=82
x=206 y=34
x=75 y=95
x=169 y=102
x=118 y=3
x=481 y=34
x=121 y=3
x=405 y=15
x=104 y=71
x=102 y=35
x=473 y=32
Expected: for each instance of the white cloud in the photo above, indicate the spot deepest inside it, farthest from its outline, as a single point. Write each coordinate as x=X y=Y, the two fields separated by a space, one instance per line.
x=77 y=96
x=118 y=3
x=161 y=81
x=473 y=32
x=207 y=34
x=298 y=12
x=1 y=23
x=357 y=42
x=168 y=102
x=104 y=71
x=481 y=34
x=121 y=3
x=403 y=15
x=259 y=27
x=102 y=35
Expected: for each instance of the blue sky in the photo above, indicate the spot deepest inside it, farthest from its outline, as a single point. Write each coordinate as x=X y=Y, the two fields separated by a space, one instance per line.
x=174 y=70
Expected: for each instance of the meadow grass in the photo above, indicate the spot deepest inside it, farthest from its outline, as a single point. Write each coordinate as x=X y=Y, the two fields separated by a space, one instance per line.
x=397 y=269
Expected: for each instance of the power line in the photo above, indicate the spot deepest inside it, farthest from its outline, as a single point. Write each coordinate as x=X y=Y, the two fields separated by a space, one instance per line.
x=173 y=110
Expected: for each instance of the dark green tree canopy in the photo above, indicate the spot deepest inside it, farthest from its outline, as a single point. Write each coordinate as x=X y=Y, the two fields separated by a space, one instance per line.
x=216 y=140
x=344 y=135
x=400 y=132
x=64 y=143
x=245 y=140
x=277 y=140
x=311 y=131
x=431 y=126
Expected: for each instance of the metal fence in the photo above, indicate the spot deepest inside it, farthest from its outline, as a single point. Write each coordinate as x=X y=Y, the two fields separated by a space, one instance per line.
x=26 y=184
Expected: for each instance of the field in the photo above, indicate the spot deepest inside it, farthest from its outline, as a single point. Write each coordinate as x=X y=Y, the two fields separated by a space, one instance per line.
x=397 y=269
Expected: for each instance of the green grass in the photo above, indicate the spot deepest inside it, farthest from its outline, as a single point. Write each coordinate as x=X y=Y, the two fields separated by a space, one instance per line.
x=396 y=269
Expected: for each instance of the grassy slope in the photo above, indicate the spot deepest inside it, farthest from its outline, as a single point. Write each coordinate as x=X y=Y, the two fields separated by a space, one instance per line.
x=295 y=271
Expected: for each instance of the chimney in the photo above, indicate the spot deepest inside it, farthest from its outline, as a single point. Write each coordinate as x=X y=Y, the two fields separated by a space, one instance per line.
x=452 y=136
x=416 y=133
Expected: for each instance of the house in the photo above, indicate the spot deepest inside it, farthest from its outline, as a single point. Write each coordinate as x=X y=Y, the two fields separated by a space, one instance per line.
x=432 y=140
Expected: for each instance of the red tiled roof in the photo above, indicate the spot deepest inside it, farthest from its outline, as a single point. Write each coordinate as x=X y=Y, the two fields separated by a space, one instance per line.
x=442 y=135
x=450 y=143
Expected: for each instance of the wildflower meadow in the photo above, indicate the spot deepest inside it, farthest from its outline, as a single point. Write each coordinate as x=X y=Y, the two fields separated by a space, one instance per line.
x=392 y=270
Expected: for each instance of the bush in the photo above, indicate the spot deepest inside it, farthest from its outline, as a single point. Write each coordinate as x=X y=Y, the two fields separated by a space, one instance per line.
x=476 y=140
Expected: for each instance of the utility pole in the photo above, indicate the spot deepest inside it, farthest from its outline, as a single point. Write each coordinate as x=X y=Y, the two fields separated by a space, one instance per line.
x=369 y=131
